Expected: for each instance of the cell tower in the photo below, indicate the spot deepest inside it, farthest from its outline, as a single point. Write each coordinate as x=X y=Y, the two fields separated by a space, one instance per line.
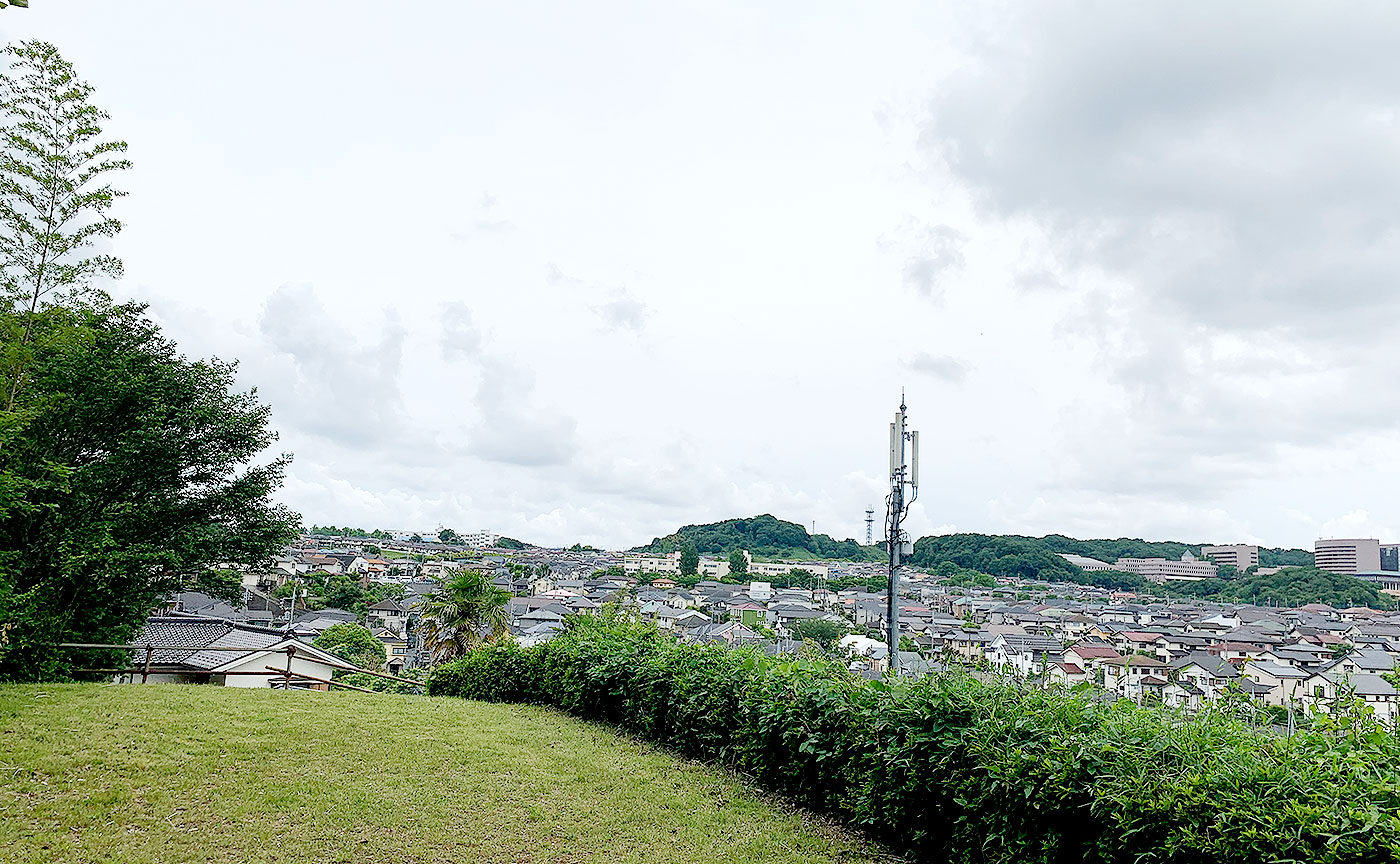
x=904 y=490
x=869 y=526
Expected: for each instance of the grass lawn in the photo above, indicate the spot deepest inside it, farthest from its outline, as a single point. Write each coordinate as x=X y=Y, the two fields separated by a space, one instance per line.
x=172 y=773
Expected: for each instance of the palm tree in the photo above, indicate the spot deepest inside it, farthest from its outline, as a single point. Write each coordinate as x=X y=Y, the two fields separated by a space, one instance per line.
x=467 y=612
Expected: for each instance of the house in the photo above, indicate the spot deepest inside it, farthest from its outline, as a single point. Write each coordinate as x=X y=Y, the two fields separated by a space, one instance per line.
x=1206 y=672
x=1066 y=674
x=1023 y=655
x=1323 y=688
x=196 y=650
x=396 y=650
x=1125 y=675
x=1090 y=655
x=1284 y=683
x=387 y=614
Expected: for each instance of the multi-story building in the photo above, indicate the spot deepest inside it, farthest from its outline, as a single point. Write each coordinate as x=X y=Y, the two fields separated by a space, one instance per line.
x=635 y=562
x=480 y=539
x=1241 y=556
x=1349 y=556
x=1164 y=570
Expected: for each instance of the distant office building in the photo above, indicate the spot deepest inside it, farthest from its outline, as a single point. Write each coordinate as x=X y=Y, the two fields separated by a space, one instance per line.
x=1390 y=557
x=1241 y=556
x=1188 y=569
x=1088 y=565
x=1350 y=556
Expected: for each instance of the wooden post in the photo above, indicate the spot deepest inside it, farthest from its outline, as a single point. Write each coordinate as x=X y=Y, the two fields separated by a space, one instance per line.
x=291 y=649
x=146 y=670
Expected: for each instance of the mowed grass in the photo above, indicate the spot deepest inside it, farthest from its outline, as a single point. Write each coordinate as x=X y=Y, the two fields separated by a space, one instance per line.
x=172 y=773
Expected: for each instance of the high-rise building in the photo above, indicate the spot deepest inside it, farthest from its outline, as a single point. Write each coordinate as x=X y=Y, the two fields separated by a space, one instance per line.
x=1241 y=556
x=1350 y=556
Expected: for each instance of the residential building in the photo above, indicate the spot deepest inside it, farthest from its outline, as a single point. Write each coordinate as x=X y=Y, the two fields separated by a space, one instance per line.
x=1349 y=556
x=634 y=562
x=1241 y=556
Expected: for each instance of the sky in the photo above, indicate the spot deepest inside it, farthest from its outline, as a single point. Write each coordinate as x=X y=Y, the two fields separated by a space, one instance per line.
x=588 y=272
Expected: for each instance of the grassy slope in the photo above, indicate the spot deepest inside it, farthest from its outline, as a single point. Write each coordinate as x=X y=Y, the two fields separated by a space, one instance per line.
x=171 y=773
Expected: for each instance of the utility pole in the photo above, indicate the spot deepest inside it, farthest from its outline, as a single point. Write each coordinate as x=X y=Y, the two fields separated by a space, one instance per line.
x=904 y=490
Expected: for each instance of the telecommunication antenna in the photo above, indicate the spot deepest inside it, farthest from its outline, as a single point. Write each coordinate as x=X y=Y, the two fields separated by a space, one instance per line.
x=904 y=490
x=869 y=526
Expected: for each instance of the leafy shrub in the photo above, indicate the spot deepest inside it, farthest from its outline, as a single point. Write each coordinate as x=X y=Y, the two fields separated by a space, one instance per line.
x=953 y=769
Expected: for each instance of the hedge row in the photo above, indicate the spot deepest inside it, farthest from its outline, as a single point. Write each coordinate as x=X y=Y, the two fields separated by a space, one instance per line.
x=953 y=769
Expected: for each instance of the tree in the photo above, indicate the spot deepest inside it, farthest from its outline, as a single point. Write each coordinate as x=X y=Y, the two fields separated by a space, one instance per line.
x=821 y=631
x=738 y=563
x=690 y=560
x=353 y=643
x=52 y=201
x=138 y=469
x=225 y=585
x=447 y=535
x=468 y=611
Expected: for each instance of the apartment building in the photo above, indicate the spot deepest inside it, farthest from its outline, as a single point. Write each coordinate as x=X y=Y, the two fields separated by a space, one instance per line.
x=1349 y=556
x=635 y=562
x=1241 y=556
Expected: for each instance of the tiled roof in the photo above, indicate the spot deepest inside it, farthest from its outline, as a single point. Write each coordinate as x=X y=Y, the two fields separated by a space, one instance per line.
x=175 y=633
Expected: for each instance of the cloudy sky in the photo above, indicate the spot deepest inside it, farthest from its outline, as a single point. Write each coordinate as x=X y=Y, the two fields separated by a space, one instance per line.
x=587 y=272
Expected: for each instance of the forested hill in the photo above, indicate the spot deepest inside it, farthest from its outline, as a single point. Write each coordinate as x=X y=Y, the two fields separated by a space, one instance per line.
x=763 y=536
x=998 y=554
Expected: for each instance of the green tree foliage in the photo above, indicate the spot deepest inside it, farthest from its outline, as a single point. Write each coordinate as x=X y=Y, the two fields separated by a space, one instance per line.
x=690 y=559
x=958 y=577
x=738 y=564
x=1009 y=555
x=353 y=643
x=468 y=611
x=821 y=631
x=1291 y=586
x=225 y=585
x=447 y=535
x=509 y=543
x=1110 y=551
x=1285 y=557
x=139 y=471
x=763 y=536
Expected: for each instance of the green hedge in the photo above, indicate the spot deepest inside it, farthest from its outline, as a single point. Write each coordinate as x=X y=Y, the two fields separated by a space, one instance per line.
x=953 y=769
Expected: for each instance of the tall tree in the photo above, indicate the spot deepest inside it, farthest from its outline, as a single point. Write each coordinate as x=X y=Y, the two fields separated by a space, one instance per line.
x=139 y=473
x=54 y=201
x=468 y=611
x=690 y=559
x=738 y=563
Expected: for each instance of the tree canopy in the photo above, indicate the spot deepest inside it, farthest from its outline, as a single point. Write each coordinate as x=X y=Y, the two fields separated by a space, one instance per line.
x=763 y=536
